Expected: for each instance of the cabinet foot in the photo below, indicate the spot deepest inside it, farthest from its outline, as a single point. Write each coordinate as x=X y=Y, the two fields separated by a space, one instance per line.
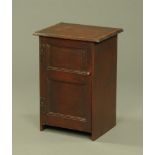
x=42 y=127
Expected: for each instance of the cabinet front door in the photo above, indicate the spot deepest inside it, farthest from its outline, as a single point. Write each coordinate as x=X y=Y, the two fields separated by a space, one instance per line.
x=65 y=84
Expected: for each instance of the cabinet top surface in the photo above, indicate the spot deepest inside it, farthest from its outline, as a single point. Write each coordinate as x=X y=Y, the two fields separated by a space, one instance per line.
x=79 y=32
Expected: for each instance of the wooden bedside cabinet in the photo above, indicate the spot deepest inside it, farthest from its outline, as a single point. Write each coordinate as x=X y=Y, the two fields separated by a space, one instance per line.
x=78 y=77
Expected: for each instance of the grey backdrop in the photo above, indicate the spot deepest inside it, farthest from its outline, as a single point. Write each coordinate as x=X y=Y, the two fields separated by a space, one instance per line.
x=32 y=15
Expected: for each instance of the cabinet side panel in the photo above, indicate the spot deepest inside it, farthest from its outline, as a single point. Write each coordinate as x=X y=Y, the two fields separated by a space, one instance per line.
x=104 y=87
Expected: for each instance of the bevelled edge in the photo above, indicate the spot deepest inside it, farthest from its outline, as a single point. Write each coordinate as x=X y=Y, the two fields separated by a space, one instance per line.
x=119 y=30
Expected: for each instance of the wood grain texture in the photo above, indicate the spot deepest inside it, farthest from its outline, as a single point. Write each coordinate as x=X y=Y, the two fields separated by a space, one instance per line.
x=79 y=32
x=66 y=92
x=78 y=73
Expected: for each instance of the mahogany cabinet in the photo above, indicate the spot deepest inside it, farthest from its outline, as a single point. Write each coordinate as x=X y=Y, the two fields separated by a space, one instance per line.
x=78 y=77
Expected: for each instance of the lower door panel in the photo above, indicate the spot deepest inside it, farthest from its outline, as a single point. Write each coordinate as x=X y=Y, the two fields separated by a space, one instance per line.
x=68 y=102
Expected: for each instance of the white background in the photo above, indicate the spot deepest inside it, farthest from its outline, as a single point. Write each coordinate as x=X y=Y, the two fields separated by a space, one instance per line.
x=149 y=77
x=5 y=77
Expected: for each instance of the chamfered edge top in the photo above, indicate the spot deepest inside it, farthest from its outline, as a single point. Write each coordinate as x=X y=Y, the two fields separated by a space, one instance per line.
x=79 y=32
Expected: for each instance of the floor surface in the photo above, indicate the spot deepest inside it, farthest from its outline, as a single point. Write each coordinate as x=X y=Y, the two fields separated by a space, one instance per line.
x=124 y=139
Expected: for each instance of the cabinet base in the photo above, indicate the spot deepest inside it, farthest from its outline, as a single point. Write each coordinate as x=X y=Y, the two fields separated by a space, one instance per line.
x=93 y=135
x=42 y=127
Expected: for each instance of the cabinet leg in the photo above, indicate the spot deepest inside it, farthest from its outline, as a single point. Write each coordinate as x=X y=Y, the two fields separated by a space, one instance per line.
x=98 y=133
x=42 y=127
x=94 y=137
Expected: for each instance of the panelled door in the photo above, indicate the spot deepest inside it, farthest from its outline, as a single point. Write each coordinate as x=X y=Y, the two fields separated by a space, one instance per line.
x=65 y=83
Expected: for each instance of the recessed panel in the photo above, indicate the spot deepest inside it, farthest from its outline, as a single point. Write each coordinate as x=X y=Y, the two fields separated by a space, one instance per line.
x=64 y=57
x=68 y=98
x=68 y=105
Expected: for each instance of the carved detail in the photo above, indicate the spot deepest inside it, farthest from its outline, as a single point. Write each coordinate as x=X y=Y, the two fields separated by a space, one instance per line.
x=42 y=53
x=43 y=105
x=85 y=73
x=76 y=118
x=84 y=59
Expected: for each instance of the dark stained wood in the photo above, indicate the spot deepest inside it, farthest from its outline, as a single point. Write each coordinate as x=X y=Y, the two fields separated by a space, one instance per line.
x=78 y=79
x=104 y=87
x=79 y=32
x=66 y=90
